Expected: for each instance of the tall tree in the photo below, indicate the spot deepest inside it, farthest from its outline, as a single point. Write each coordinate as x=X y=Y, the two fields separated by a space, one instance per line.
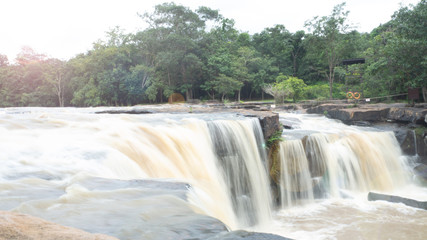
x=328 y=32
x=54 y=77
x=181 y=28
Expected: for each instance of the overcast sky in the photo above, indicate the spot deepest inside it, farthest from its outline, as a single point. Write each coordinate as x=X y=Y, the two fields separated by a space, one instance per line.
x=64 y=28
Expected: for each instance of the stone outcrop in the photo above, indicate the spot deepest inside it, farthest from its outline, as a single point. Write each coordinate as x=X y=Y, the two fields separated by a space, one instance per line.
x=413 y=115
x=20 y=226
x=412 y=138
x=269 y=121
x=396 y=199
x=269 y=124
x=420 y=172
x=375 y=113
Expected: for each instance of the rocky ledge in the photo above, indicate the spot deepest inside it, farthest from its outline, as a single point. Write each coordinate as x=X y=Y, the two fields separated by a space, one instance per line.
x=396 y=199
x=373 y=112
x=21 y=226
x=410 y=121
x=269 y=120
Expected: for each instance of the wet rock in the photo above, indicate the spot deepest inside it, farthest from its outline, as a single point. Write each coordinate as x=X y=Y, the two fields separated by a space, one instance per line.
x=414 y=115
x=406 y=139
x=374 y=113
x=357 y=114
x=421 y=171
x=396 y=199
x=244 y=235
x=21 y=226
x=269 y=124
x=125 y=111
x=290 y=123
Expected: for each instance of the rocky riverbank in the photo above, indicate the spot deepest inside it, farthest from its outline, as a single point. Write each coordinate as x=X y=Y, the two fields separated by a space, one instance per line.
x=269 y=120
x=353 y=113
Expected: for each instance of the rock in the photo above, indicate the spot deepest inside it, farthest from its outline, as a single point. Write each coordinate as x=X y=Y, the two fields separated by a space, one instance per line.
x=414 y=115
x=20 y=226
x=244 y=235
x=125 y=111
x=406 y=139
x=421 y=171
x=374 y=113
x=269 y=124
x=358 y=114
x=396 y=199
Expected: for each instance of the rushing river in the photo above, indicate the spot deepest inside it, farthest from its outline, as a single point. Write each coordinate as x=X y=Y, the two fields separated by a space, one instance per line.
x=171 y=176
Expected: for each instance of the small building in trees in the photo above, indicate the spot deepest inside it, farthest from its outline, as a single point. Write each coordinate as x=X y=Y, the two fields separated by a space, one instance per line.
x=354 y=74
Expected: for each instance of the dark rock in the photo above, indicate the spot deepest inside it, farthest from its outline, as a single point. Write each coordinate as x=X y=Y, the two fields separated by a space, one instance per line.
x=125 y=111
x=269 y=124
x=244 y=235
x=406 y=139
x=358 y=114
x=378 y=112
x=414 y=115
x=193 y=101
x=290 y=123
x=362 y=123
x=421 y=171
x=396 y=199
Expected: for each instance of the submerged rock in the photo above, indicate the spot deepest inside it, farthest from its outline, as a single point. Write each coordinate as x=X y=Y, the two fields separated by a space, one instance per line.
x=396 y=199
x=21 y=226
x=421 y=171
x=244 y=235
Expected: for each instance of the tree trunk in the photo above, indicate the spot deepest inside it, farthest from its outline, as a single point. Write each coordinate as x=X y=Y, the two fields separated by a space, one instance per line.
x=425 y=94
x=238 y=95
x=331 y=79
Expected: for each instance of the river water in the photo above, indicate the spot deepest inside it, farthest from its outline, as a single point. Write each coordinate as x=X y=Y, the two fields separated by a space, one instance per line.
x=170 y=176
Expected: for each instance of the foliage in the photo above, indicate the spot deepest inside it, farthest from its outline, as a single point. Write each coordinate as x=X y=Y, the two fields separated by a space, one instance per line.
x=329 y=40
x=275 y=137
x=201 y=54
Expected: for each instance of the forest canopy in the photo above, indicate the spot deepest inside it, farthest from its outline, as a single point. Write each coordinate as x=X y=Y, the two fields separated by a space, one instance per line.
x=200 y=54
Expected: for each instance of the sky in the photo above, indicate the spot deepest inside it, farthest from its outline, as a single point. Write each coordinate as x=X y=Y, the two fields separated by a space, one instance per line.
x=64 y=28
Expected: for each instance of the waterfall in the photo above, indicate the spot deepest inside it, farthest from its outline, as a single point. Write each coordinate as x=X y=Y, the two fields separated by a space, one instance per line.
x=296 y=182
x=238 y=147
x=223 y=160
x=332 y=164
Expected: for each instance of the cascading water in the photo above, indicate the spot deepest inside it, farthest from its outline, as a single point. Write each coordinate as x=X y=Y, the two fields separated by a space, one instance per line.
x=161 y=176
x=295 y=183
x=241 y=161
x=62 y=153
x=333 y=163
x=327 y=170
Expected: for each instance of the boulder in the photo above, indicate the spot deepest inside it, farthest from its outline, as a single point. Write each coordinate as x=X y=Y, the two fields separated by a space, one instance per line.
x=359 y=114
x=20 y=226
x=396 y=199
x=407 y=141
x=269 y=124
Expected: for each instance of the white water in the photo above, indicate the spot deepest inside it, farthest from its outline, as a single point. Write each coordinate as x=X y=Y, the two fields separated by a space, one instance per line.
x=49 y=157
x=345 y=163
x=77 y=168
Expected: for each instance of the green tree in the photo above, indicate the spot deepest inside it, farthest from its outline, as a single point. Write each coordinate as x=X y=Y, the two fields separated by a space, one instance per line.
x=297 y=87
x=54 y=78
x=178 y=63
x=328 y=33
